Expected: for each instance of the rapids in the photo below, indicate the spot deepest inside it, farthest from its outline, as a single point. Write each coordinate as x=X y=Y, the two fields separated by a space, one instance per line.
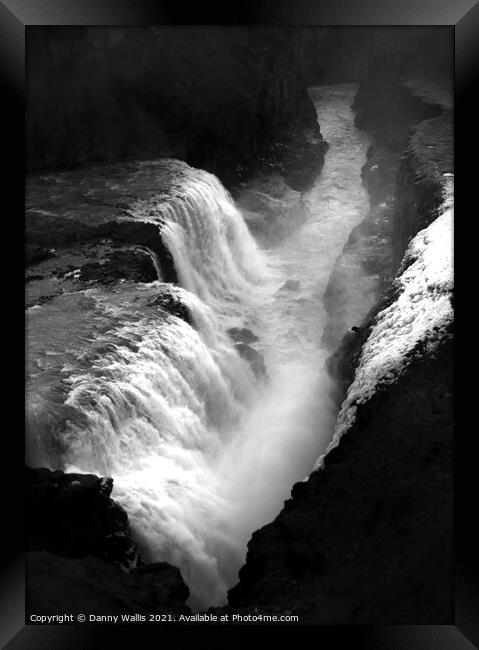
x=201 y=451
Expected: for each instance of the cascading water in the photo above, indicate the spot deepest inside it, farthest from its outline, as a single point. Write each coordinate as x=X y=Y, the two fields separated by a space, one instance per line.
x=202 y=452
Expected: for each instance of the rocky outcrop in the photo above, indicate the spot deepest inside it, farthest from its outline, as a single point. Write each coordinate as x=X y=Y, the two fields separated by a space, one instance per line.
x=369 y=537
x=253 y=357
x=80 y=554
x=242 y=335
x=82 y=212
x=387 y=107
x=86 y=227
x=404 y=176
x=297 y=152
x=130 y=264
x=92 y=586
x=419 y=193
x=244 y=340
x=271 y=198
x=406 y=190
x=72 y=515
x=169 y=301
x=364 y=269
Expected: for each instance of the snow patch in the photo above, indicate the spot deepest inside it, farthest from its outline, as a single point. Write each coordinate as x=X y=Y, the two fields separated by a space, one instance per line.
x=420 y=314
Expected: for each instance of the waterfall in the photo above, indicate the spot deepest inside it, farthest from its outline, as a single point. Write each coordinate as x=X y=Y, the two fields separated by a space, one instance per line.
x=214 y=253
x=201 y=451
x=156 y=399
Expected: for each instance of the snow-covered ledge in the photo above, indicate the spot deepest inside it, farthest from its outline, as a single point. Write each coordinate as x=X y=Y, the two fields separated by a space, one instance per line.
x=420 y=314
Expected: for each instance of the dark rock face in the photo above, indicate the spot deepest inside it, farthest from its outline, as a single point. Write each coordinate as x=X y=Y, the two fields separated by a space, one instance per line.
x=116 y=93
x=75 y=265
x=270 y=192
x=290 y=285
x=419 y=194
x=369 y=245
x=135 y=265
x=403 y=174
x=341 y=365
x=168 y=301
x=379 y=172
x=297 y=152
x=77 y=586
x=412 y=129
x=406 y=189
x=73 y=515
x=253 y=357
x=166 y=582
x=270 y=207
x=144 y=234
x=82 y=227
x=242 y=335
x=369 y=537
x=44 y=231
x=80 y=554
x=385 y=107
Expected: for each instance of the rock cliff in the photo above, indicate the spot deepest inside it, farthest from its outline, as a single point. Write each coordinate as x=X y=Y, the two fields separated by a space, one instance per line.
x=227 y=100
x=80 y=553
x=368 y=537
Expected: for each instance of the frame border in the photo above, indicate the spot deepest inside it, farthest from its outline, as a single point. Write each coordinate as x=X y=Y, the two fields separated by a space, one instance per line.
x=15 y=17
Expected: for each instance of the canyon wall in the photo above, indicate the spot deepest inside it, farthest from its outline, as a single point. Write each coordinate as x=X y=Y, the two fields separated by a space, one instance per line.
x=218 y=98
x=368 y=536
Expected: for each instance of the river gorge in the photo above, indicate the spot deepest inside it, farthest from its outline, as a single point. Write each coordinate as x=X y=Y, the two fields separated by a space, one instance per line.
x=213 y=344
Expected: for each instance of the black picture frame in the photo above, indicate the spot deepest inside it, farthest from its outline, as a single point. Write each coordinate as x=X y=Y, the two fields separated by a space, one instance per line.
x=15 y=18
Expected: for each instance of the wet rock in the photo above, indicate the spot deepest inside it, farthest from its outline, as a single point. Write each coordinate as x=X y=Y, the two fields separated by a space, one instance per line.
x=136 y=265
x=92 y=210
x=242 y=335
x=427 y=158
x=166 y=582
x=253 y=357
x=80 y=554
x=171 y=303
x=271 y=207
x=389 y=110
x=143 y=234
x=379 y=172
x=73 y=515
x=291 y=285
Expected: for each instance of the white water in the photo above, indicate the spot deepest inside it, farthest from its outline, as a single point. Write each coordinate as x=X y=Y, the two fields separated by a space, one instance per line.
x=202 y=453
